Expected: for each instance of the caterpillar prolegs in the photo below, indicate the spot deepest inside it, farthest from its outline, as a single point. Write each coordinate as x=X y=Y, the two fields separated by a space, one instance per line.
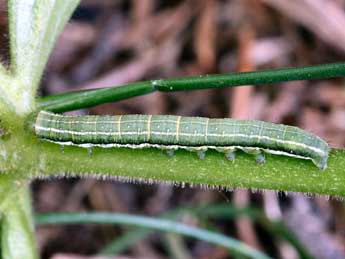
x=196 y=134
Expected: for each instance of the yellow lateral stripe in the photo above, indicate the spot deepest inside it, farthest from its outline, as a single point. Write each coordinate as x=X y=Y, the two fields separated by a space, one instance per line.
x=178 y=127
x=206 y=129
x=119 y=126
x=148 y=128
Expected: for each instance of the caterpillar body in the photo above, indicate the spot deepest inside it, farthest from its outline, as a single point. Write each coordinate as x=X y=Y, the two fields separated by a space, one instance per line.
x=168 y=132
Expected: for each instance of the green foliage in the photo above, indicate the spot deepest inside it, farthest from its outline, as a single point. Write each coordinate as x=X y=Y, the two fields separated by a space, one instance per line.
x=153 y=223
x=34 y=27
x=209 y=212
x=87 y=98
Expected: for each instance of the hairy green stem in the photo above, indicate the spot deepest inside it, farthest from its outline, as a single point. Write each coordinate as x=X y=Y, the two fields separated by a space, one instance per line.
x=87 y=98
x=17 y=227
x=42 y=159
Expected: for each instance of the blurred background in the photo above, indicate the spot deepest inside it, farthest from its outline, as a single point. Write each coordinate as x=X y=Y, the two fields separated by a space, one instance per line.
x=113 y=42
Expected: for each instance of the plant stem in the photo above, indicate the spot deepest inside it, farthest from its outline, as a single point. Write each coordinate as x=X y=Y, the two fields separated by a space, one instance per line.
x=17 y=227
x=87 y=98
x=149 y=165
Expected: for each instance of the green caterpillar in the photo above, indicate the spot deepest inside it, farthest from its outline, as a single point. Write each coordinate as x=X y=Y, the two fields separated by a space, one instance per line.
x=170 y=133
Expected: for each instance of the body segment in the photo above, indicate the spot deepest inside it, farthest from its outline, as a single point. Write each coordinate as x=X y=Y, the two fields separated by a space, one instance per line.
x=174 y=132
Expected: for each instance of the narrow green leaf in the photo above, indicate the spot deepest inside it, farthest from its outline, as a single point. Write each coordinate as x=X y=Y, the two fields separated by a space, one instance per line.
x=87 y=98
x=34 y=28
x=153 y=223
x=82 y=99
x=213 y=211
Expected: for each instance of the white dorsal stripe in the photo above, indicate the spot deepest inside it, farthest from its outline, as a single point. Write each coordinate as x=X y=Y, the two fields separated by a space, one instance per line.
x=111 y=122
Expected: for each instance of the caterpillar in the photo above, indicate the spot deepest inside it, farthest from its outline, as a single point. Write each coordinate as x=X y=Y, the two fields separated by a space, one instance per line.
x=169 y=133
